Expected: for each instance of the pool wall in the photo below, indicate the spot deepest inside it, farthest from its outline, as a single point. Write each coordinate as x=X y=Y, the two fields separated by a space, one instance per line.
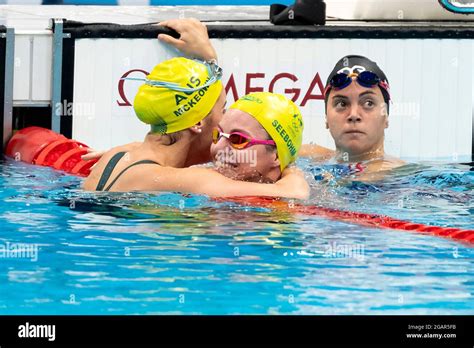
x=431 y=113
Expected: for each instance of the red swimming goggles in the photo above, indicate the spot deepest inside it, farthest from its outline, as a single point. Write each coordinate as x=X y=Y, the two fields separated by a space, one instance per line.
x=366 y=79
x=239 y=140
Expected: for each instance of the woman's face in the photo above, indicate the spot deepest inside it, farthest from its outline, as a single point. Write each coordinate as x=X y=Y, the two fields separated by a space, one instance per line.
x=255 y=163
x=356 y=117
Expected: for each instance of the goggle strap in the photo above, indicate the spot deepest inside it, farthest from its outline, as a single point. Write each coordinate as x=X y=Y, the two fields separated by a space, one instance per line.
x=214 y=71
x=380 y=83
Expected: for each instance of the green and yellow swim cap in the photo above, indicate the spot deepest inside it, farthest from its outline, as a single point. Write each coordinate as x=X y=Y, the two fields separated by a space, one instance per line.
x=177 y=95
x=280 y=117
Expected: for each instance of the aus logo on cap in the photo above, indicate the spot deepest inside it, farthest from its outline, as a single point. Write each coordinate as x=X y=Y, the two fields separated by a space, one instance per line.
x=252 y=98
x=297 y=122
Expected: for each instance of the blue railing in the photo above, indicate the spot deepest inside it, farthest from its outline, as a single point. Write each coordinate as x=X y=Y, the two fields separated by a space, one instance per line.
x=456 y=9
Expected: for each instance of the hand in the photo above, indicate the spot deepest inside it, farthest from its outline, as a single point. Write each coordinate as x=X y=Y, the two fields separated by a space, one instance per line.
x=92 y=154
x=292 y=180
x=194 y=40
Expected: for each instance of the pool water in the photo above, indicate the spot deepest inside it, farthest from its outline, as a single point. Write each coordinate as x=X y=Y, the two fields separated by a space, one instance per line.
x=112 y=253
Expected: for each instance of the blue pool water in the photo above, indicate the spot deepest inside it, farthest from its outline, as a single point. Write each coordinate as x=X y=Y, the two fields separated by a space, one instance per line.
x=167 y=254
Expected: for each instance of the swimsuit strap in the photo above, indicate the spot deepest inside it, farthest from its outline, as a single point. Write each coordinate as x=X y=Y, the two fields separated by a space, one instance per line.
x=108 y=170
x=131 y=165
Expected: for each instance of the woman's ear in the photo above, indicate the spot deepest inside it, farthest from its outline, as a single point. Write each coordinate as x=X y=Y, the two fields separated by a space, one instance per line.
x=276 y=160
x=197 y=128
x=327 y=124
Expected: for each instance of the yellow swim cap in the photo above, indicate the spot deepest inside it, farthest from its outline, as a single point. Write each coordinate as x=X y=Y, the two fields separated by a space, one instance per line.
x=178 y=93
x=280 y=117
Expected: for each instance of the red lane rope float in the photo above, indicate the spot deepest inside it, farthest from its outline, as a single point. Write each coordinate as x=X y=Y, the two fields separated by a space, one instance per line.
x=68 y=160
x=370 y=220
x=27 y=143
x=51 y=153
x=41 y=146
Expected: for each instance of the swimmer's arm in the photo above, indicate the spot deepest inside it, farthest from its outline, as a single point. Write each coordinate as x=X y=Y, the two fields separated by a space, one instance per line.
x=194 y=39
x=209 y=182
x=315 y=152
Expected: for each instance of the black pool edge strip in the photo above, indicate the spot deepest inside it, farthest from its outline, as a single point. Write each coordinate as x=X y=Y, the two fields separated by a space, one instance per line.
x=3 y=57
x=67 y=85
x=79 y=30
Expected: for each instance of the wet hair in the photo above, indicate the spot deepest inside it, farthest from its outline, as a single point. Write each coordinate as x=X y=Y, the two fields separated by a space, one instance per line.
x=168 y=138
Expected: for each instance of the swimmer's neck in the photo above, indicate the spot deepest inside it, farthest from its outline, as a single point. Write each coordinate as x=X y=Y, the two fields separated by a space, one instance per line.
x=167 y=155
x=342 y=156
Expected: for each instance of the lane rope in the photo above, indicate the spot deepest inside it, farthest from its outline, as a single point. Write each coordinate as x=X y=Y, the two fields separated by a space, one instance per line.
x=370 y=220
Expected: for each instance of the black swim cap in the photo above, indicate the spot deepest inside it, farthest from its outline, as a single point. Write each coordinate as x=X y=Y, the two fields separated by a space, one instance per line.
x=353 y=63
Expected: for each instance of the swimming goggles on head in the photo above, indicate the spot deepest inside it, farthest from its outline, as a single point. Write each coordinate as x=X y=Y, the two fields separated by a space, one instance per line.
x=366 y=79
x=214 y=71
x=238 y=140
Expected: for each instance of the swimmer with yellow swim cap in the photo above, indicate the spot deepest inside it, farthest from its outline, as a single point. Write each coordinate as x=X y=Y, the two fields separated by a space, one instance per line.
x=183 y=100
x=258 y=137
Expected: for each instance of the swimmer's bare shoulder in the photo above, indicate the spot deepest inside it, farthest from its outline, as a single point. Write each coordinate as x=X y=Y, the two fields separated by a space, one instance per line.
x=315 y=152
x=387 y=163
x=379 y=169
x=92 y=180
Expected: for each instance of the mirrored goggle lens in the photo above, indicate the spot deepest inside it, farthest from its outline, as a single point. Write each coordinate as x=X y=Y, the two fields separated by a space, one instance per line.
x=239 y=141
x=215 y=135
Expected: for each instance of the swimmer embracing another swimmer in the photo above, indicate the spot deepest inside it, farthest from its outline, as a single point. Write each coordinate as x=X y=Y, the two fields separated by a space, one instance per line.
x=356 y=113
x=183 y=101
